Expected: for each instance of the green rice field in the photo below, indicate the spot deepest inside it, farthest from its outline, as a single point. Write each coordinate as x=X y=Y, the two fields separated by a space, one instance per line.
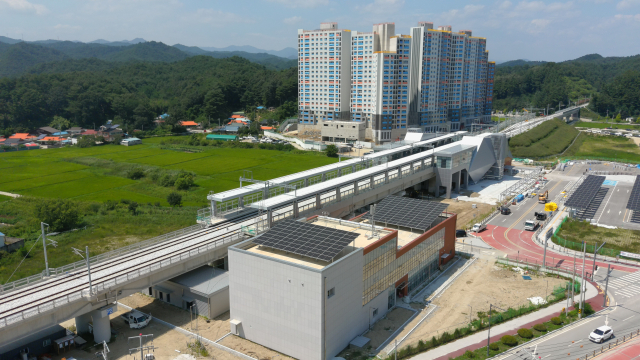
x=62 y=172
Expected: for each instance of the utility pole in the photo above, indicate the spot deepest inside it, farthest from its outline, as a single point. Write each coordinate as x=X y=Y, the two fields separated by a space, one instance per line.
x=79 y=253
x=489 y=330
x=44 y=245
x=573 y=280
x=595 y=253
x=584 y=255
x=606 y=286
x=141 y=347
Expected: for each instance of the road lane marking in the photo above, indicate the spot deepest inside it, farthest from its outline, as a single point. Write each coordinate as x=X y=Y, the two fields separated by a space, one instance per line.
x=628 y=318
x=607 y=203
x=575 y=342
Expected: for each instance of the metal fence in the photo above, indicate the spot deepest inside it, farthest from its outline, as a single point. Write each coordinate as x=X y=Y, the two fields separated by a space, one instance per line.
x=114 y=280
x=53 y=272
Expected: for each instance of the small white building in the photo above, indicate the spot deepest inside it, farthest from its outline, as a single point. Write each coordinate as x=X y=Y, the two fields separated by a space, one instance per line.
x=131 y=141
x=312 y=306
x=205 y=287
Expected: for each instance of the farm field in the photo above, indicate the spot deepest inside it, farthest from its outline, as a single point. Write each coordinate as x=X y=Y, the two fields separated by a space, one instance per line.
x=609 y=147
x=76 y=173
x=116 y=209
x=600 y=125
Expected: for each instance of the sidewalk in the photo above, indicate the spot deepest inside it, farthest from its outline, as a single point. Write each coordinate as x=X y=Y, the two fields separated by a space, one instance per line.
x=629 y=351
x=479 y=339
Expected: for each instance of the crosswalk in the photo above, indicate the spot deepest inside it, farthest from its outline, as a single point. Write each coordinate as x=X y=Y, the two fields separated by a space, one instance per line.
x=626 y=286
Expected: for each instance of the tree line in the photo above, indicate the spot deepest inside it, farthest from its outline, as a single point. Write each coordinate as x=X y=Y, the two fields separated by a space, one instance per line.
x=611 y=82
x=199 y=88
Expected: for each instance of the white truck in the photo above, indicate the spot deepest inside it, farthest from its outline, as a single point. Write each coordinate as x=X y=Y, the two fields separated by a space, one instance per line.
x=530 y=225
x=135 y=319
x=478 y=227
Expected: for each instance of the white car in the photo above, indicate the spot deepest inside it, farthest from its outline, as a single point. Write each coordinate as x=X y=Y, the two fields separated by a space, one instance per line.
x=478 y=227
x=601 y=334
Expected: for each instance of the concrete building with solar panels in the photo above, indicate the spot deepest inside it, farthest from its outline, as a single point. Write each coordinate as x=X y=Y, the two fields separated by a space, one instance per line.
x=307 y=288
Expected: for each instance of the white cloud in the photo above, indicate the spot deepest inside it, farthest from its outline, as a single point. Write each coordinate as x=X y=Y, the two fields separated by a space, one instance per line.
x=382 y=6
x=66 y=27
x=626 y=4
x=540 y=23
x=24 y=6
x=215 y=17
x=292 y=20
x=505 y=5
x=628 y=17
x=533 y=6
x=301 y=3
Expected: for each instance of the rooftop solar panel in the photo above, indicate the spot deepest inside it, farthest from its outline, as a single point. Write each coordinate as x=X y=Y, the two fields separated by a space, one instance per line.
x=585 y=193
x=407 y=212
x=314 y=241
x=634 y=198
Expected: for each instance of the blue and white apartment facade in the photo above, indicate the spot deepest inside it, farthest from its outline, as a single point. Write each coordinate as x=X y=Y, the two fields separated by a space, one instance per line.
x=435 y=79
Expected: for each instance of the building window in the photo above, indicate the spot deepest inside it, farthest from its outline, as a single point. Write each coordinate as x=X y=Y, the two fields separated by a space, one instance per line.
x=46 y=343
x=168 y=297
x=375 y=312
x=331 y=292
x=150 y=291
x=160 y=295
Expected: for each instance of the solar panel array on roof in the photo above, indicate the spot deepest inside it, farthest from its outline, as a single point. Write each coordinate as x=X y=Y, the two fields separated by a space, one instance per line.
x=634 y=198
x=585 y=193
x=412 y=213
x=314 y=241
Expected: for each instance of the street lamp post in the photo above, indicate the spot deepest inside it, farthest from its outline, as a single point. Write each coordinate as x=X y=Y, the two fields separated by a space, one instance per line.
x=470 y=312
x=79 y=253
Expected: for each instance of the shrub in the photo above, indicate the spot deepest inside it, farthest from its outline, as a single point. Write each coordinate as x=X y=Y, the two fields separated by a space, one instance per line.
x=470 y=354
x=332 y=150
x=525 y=333
x=457 y=334
x=135 y=174
x=494 y=346
x=588 y=310
x=556 y=321
x=174 y=199
x=110 y=205
x=573 y=313
x=184 y=181
x=166 y=180
x=509 y=340
x=540 y=327
x=60 y=214
x=133 y=207
x=434 y=341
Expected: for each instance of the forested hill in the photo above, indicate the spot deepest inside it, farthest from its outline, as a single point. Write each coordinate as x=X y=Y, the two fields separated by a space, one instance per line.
x=92 y=91
x=19 y=58
x=614 y=83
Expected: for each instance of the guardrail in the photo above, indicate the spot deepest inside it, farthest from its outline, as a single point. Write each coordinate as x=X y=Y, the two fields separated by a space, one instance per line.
x=111 y=283
x=54 y=272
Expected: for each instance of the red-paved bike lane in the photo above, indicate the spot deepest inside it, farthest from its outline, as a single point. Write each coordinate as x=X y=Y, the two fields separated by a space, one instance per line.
x=626 y=352
x=520 y=244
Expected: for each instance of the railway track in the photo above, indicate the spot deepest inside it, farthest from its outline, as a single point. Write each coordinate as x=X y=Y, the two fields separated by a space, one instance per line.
x=10 y=303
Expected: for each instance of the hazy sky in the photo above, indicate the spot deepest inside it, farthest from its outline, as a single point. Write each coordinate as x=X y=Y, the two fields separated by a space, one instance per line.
x=534 y=30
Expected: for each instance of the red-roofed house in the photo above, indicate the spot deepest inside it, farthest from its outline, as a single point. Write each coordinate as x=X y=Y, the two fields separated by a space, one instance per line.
x=22 y=136
x=188 y=124
x=266 y=127
x=89 y=132
x=51 y=138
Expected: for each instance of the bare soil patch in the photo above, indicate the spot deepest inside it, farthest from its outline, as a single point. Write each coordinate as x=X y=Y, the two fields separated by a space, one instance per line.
x=466 y=212
x=482 y=283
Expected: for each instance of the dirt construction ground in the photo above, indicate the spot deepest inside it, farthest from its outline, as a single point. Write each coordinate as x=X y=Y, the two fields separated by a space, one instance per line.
x=482 y=283
x=168 y=340
x=466 y=212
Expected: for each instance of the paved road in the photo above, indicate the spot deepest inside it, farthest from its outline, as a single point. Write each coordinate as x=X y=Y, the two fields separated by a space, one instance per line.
x=623 y=316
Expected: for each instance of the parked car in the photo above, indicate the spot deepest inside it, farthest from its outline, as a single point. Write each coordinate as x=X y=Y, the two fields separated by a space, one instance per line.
x=601 y=334
x=461 y=233
x=504 y=210
x=135 y=319
x=478 y=227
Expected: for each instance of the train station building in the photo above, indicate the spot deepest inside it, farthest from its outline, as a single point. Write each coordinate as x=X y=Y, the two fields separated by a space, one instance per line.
x=307 y=288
